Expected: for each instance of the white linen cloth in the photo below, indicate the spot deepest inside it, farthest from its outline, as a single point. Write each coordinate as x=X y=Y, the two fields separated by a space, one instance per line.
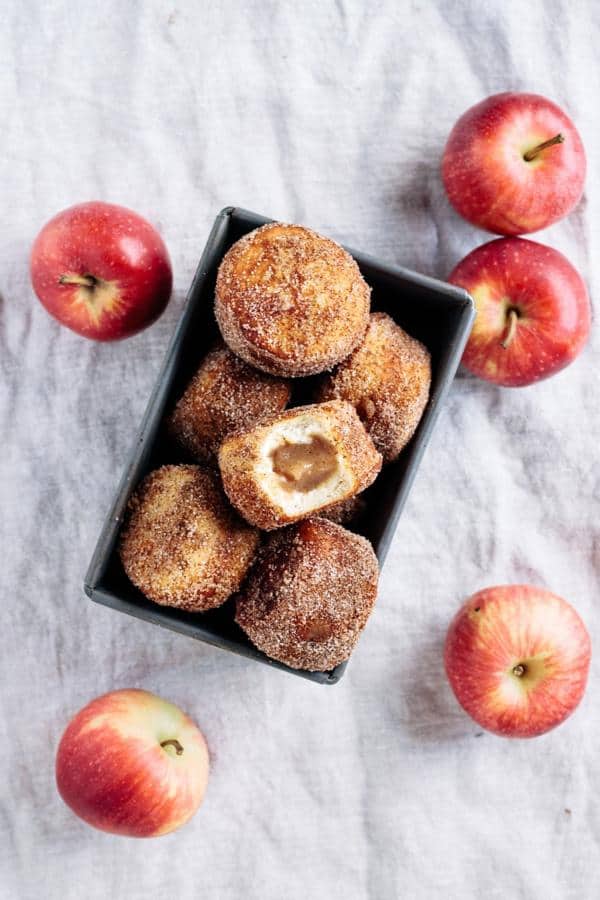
x=334 y=115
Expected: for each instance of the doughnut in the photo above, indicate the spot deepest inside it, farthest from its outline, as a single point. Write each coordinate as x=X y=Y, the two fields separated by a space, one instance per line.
x=387 y=380
x=309 y=595
x=297 y=463
x=289 y=301
x=224 y=394
x=182 y=544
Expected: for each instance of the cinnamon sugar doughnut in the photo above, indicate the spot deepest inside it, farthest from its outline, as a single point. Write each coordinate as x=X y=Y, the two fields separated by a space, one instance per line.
x=387 y=380
x=224 y=394
x=182 y=544
x=289 y=301
x=297 y=463
x=309 y=595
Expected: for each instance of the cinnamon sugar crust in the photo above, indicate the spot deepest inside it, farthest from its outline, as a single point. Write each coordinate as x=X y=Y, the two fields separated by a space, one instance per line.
x=387 y=379
x=224 y=394
x=290 y=301
x=182 y=544
x=309 y=595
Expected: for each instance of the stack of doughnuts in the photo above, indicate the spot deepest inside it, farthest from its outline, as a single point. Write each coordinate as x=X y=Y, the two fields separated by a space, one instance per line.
x=260 y=512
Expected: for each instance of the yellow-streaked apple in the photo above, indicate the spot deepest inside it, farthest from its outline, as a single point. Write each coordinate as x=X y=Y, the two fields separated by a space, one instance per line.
x=133 y=764
x=517 y=658
x=101 y=270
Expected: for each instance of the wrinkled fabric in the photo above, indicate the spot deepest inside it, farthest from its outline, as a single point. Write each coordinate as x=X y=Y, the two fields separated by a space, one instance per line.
x=333 y=115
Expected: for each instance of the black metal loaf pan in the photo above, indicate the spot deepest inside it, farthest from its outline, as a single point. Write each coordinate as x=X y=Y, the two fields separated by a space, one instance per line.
x=439 y=314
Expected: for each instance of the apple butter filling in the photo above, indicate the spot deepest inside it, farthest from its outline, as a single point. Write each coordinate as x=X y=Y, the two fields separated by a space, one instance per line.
x=304 y=466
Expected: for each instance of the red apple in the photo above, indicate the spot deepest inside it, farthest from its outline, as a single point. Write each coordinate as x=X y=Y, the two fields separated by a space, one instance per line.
x=533 y=311
x=517 y=658
x=514 y=163
x=101 y=270
x=132 y=763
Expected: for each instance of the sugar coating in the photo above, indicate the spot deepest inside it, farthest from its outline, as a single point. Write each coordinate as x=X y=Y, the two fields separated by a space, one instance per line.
x=309 y=595
x=289 y=301
x=387 y=379
x=224 y=394
x=182 y=544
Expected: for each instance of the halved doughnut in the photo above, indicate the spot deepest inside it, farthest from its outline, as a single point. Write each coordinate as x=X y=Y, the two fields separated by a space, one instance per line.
x=297 y=463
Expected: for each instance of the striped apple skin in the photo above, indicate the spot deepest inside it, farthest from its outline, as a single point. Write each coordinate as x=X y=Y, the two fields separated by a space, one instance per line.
x=548 y=296
x=487 y=177
x=112 y=771
x=517 y=659
x=101 y=270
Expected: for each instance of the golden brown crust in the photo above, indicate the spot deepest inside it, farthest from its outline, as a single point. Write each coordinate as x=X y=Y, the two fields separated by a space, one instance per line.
x=251 y=485
x=182 y=545
x=289 y=301
x=309 y=595
x=224 y=394
x=387 y=380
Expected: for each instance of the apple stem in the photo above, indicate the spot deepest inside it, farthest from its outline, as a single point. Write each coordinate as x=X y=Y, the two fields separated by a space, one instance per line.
x=173 y=742
x=84 y=280
x=531 y=154
x=519 y=670
x=513 y=315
